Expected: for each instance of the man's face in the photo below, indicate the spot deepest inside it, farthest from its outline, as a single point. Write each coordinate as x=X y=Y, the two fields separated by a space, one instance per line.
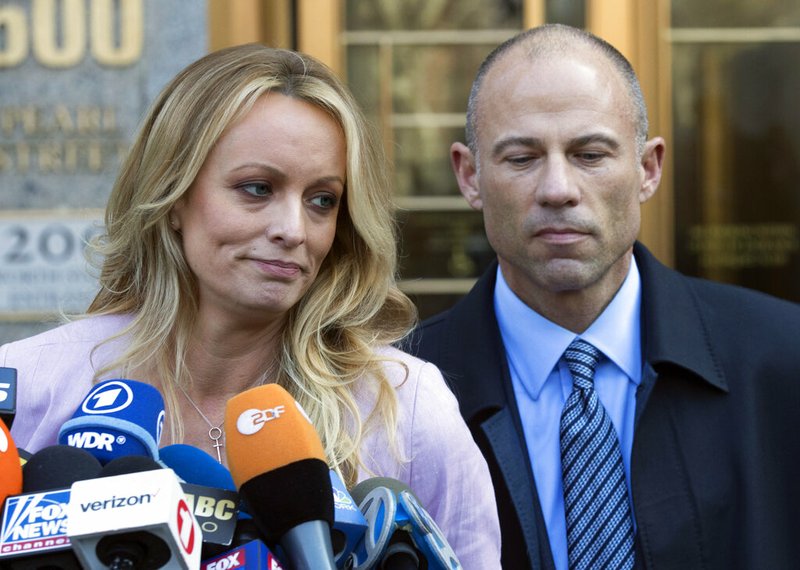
x=559 y=178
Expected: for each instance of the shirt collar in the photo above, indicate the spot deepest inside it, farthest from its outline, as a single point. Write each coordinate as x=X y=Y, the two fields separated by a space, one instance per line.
x=534 y=344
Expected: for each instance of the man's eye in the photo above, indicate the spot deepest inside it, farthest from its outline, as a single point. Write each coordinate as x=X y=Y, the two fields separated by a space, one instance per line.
x=256 y=188
x=519 y=160
x=590 y=156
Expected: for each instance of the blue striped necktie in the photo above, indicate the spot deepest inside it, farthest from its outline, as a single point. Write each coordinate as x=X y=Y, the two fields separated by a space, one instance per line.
x=599 y=523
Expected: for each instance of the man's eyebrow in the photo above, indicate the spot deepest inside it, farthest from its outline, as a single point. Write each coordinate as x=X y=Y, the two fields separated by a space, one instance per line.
x=593 y=138
x=503 y=144
x=535 y=142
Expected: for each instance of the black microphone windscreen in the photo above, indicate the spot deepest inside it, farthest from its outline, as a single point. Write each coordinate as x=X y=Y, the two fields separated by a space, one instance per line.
x=302 y=497
x=58 y=467
x=129 y=464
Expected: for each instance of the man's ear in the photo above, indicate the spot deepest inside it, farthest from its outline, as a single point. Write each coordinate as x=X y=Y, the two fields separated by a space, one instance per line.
x=652 y=163
x=466 y=171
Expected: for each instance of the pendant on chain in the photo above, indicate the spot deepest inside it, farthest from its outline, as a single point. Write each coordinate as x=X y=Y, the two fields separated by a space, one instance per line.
x=216 y=433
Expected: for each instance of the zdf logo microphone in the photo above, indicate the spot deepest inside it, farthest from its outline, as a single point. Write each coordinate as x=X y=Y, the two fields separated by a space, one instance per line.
x=252 y=420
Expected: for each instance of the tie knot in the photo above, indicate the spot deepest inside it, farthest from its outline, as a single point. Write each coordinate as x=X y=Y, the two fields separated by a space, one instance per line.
x=581 y=358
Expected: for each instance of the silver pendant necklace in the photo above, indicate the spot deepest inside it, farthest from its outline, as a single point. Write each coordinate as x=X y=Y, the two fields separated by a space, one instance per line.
x=215 y=433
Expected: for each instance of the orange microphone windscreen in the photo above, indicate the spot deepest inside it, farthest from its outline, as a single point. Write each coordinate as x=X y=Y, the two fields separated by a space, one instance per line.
x=10 y=467
x=265 y=429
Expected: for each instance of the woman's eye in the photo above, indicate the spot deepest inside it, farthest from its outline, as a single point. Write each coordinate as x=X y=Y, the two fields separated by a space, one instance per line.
x=257 y=188
x=324 y=201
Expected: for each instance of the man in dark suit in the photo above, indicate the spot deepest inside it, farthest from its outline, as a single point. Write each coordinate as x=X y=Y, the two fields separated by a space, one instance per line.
x=700 y=382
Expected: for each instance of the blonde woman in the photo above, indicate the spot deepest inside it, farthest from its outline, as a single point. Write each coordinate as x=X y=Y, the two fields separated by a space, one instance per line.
x=250 y=239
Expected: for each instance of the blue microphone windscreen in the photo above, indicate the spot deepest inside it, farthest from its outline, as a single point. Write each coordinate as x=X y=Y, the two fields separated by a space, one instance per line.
x=117 y=418
x=195 y=466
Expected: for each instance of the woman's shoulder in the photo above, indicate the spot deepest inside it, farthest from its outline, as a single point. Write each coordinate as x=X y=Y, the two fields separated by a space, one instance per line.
x=414 y=378
x=89 y=329
x=76 y=337
x=400 y=366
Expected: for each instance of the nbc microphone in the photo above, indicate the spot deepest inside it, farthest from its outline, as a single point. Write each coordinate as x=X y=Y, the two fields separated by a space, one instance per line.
x=349 y=524
x=278 y=463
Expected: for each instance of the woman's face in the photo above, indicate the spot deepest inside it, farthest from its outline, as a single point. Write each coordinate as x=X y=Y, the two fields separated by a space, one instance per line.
x=261 y=215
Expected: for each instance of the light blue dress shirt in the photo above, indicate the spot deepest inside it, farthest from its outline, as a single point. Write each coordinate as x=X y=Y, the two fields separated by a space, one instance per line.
x=542 y=382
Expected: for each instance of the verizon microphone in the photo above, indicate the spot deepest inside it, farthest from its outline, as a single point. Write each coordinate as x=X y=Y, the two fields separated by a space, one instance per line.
x=278 y=463
x=410 y=519
x=33 y=534
x=118 y=417
x=137 y=520
x=8 y=395
x=10 y=468
x=210 y=492
x=349 y=525
x=253 y=555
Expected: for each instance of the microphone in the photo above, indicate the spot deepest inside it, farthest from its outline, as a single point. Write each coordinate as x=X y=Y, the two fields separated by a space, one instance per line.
x=253 y=555
x=129 y=464
x=349 y=524
x=133 y=520
x=210 y=493
x=194 y=465
x=278 y=463
x=10 y=468
x=411 y=539
x=379 y=506
x=33 y=534
x=8 y=395
x=58 y=467
x=116 y=418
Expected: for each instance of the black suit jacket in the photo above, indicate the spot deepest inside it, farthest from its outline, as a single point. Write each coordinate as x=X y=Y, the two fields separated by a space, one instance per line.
x=715 y=470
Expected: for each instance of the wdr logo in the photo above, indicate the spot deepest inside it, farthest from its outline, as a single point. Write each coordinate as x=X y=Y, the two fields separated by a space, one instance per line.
x=108 y=398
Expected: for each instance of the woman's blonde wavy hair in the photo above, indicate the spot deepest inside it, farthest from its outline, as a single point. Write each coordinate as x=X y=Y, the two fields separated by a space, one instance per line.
x=353 y=306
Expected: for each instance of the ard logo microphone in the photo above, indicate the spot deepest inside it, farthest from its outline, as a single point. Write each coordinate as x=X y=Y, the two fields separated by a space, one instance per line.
x=117 y=418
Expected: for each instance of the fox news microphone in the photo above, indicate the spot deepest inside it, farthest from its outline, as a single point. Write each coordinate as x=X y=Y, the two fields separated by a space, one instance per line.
x=8 y=395
x=210 y=492
x=33 y=534
x=411 y=539
x=252 y=555
x=10 y=468
x=278 y=463
x=133 y=520
x=116 y=418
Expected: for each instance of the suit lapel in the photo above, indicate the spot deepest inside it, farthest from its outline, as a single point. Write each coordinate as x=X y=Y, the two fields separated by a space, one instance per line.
x=676 y=350
x=502 y=436
x=477 y=356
